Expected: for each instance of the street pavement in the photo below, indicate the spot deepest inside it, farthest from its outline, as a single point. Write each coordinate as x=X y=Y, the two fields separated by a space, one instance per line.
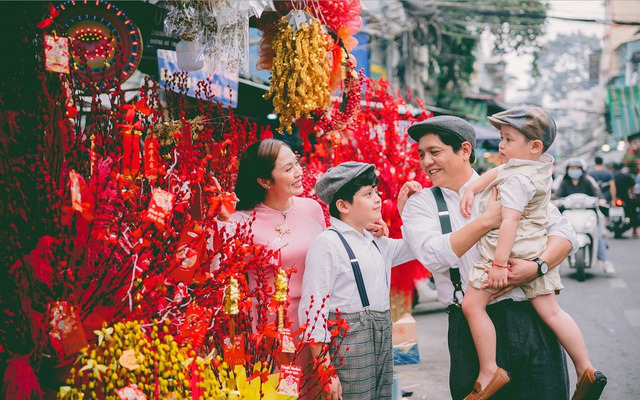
x=606 y=308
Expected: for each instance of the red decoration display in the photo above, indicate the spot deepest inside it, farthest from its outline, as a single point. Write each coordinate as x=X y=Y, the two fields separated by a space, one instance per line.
x=106 y=45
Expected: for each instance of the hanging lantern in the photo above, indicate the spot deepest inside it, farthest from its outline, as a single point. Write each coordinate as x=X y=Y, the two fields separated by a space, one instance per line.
x=189 y=55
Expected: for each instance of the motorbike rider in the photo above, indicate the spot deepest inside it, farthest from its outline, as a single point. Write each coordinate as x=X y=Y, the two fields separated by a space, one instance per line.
x=625 y=192
x=575 y=180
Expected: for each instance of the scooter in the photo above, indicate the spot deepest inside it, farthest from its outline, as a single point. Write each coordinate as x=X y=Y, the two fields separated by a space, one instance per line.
x=618 y=221
x=581 y=211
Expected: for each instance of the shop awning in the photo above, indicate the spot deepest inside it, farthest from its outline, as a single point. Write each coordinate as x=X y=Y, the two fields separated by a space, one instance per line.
x=487 y=138
x=623 y=110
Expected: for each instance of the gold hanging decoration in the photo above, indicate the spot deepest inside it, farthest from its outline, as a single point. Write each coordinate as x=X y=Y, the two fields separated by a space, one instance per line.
x=300 y=73
x=232 y=297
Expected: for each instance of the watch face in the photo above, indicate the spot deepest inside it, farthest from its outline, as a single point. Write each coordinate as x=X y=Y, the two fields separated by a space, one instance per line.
x=544 y=267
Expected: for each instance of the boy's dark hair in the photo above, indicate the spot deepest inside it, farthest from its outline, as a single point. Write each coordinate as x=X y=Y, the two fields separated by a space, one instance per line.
x=346 y=193
x=598 y=160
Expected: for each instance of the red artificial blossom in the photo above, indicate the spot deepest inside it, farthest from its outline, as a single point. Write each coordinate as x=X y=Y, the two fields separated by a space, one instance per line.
x=376 y=134
x=48 y=21
x=118 y=265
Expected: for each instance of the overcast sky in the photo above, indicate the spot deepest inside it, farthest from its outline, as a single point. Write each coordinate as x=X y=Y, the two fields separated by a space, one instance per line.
x=520 y=66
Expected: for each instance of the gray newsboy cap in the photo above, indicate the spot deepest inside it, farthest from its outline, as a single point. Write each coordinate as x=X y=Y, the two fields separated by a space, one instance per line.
x=336 y=177
x=531 y=121
x=444 y=124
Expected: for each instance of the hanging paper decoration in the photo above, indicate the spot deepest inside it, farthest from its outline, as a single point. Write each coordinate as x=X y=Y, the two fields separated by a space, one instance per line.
x=300 y=74
x=56 y=54
x=289 y=380
x=190 y=253
x=66 y=331
x=151 y=159
x=160 y=208
x=131 y=153
x=195 y=325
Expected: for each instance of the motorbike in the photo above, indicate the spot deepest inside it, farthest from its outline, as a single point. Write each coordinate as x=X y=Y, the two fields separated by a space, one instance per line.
x=581 y=211
x=618 y=221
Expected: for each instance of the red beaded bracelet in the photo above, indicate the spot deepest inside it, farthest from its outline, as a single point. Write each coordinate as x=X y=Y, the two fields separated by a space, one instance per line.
x=500 y=265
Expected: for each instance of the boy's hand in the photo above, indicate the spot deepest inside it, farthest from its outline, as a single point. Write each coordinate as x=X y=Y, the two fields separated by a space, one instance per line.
x=378 y=229
x=522 y=271
x=466 y=202
x=409 y=188
x=335 y=388
x=497 y=277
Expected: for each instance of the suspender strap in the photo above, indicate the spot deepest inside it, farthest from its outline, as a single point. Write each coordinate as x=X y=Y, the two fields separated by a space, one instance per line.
x=445 y=226
x=356 y=270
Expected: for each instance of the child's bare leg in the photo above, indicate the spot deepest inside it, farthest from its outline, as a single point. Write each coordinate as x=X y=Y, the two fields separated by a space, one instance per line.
x=474 y=307
x=565 y=328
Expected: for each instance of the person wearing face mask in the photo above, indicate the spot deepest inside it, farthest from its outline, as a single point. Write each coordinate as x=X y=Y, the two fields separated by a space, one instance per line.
x=576 y=180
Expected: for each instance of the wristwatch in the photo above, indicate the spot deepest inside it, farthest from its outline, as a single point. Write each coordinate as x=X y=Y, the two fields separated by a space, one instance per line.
x=543 y=267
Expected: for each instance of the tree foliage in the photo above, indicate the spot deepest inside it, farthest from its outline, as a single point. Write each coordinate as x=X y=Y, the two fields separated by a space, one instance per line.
x=563 y=66
x=456 y=27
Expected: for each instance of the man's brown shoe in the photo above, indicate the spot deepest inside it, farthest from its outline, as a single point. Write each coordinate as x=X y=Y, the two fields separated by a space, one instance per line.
x=500 y=378
x=590 y=385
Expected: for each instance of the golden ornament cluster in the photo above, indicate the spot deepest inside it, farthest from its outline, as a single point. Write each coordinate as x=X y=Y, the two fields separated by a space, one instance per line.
x=300 y=73
x=130 y=353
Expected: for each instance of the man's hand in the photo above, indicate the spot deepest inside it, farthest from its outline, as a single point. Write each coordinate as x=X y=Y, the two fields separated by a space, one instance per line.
x=378 y=229
x=522 y=271
x=405 y=192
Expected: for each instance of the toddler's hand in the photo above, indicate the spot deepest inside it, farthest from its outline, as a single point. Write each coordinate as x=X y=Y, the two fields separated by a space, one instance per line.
x=497 y=277
x=466 y=202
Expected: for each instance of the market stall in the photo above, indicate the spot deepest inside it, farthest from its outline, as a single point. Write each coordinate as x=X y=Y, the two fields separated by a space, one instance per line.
x=109 y=280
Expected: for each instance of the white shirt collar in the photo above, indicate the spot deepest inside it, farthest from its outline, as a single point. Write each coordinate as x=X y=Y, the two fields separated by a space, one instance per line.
x=343 y=227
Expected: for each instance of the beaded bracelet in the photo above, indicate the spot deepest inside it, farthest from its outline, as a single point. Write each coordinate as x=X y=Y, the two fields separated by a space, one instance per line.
x=493 y=264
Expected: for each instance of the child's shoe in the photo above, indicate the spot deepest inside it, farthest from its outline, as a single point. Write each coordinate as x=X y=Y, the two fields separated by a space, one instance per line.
x=590 y=385
x=500 y=378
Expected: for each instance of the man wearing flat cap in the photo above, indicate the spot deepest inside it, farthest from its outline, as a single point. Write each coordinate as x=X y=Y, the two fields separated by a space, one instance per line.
x=526 y=347
x=349 y=270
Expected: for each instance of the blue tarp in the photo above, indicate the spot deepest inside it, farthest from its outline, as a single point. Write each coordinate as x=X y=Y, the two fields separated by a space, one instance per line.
x=487 y=137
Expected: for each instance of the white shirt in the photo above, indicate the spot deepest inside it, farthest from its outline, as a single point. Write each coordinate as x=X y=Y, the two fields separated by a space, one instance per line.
x=421 y=230
x=329 y=272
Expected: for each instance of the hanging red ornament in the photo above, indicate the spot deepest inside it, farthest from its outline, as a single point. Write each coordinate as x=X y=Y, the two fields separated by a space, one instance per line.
x=151 y=159
x=160 y=208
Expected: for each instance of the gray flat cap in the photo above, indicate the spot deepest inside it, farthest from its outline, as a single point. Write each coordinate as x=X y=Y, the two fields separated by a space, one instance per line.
x=533 y=122
x=336 y=177
x=444 y=124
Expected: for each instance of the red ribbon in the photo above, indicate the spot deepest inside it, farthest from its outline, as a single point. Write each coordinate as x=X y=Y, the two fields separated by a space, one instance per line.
x=48 y=21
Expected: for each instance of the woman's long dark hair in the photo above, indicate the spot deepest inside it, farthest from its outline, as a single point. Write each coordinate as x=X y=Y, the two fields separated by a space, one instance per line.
x=258 y=161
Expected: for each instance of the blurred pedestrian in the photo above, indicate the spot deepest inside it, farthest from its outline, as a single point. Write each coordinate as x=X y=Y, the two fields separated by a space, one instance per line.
x=604 y=178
